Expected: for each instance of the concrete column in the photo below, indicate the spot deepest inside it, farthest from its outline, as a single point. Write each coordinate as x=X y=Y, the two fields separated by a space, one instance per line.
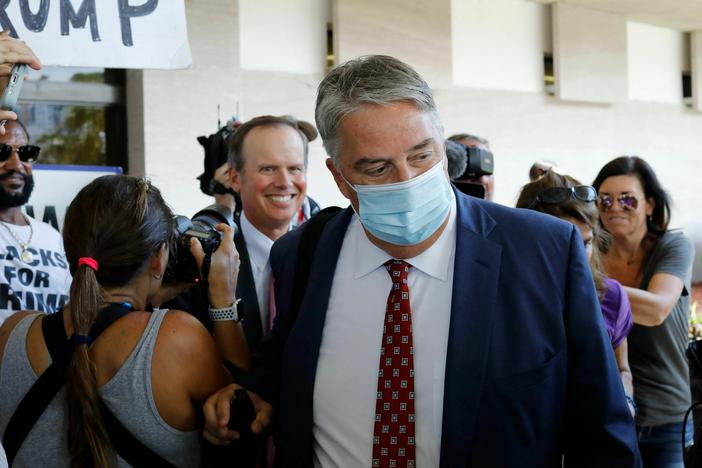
x=590 y=55
x=696 y=62
x=415 y=31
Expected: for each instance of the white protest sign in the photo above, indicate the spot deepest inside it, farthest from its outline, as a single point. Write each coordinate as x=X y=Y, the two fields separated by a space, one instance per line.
x=55 y=186
x=101 y=33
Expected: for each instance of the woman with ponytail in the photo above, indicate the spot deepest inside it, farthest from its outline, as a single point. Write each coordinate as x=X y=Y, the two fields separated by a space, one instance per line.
x=151 y=371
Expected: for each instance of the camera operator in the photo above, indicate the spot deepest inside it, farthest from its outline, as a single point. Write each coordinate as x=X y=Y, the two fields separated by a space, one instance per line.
x=134 y=381
x=481 y=184
x=214 y=181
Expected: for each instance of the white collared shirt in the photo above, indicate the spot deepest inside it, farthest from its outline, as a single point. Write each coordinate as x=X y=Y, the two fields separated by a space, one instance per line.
x=259 y=247
x=349 y=355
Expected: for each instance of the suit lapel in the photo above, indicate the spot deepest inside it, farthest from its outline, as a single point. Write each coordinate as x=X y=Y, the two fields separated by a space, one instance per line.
x=246 y=291
x=476 y=271
x=307 y=331
x=475 y=279
x=302 y=346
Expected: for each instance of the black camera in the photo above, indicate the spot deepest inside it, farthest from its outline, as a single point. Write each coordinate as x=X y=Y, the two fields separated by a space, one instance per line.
x=480 y=162
x=181 y=264
x=465 y=162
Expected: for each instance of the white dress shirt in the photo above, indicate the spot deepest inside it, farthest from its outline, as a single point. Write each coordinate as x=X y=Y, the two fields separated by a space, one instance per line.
x=259 y=247
x=349 y=355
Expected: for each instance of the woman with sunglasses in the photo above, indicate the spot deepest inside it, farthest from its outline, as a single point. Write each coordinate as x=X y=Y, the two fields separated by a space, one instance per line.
x=655 y=266
x=152 y=371
x=564 y=197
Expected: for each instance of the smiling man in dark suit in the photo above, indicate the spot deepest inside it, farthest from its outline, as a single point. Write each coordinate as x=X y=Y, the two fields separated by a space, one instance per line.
x=436 y=329
x=268 y=169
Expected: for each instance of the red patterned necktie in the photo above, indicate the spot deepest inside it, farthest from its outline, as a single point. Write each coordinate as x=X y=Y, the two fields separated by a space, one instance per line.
x=393 y=434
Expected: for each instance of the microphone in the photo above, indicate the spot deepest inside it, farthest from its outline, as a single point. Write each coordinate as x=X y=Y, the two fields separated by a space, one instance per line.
x=457 y=159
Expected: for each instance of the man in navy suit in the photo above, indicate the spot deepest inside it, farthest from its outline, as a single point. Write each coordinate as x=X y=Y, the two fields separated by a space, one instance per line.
x=436 y=329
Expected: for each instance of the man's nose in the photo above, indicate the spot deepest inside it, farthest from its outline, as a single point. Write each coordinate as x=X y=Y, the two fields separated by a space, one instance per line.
x=283 y=178
x=13 y=161
x=406 y=172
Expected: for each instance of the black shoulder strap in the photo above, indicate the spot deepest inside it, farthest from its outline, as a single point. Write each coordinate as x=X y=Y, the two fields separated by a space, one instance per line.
x=39 y=396
x=57 y=342
x=305 y=253
x=42 y=392
x=131 y=449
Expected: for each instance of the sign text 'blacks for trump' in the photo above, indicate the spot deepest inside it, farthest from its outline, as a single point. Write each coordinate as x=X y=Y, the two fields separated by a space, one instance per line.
x=101 y=33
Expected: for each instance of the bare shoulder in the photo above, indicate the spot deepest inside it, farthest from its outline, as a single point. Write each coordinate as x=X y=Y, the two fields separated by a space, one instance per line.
x=179 y=320
x=198 y=364
x=9 y=324
x=181 y=330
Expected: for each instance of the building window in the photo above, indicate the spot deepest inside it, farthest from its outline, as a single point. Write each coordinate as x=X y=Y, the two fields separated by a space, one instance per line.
x=76 y=115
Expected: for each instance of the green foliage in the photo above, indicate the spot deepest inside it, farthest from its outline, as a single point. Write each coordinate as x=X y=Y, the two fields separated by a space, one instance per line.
x=80 y=137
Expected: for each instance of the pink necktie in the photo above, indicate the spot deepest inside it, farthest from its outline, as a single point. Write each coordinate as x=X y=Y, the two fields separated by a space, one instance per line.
x=393 y=434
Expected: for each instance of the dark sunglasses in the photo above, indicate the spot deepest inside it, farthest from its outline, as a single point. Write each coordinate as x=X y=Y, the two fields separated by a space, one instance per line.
x=26 y=153
x=626 y=201
x=556 y=195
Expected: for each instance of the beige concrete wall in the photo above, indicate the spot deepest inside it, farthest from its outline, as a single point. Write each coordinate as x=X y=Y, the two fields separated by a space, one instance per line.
x=589 y=54
x=284 y=35
x=416 y=31
x=178 y=105
x=491 y=37
x=696 y=66
x=656 y=58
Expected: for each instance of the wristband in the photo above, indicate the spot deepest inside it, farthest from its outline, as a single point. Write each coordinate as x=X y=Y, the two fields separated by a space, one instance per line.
x=226 y=313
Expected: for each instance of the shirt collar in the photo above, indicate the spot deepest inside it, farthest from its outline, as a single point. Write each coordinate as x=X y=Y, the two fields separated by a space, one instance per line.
x=258 y=244
x=433 y=261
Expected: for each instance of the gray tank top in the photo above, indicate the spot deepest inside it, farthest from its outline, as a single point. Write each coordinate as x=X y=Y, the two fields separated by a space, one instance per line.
x=128 y=394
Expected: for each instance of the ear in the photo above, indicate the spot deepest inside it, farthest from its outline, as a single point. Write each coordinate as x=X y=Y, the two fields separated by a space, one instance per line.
x=234 y=179
x=221 y=174
x=340 y=182
x=650 y=206
x=159 y=261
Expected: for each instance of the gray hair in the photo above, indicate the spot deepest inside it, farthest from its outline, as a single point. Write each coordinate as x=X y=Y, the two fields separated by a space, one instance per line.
x=371 y=79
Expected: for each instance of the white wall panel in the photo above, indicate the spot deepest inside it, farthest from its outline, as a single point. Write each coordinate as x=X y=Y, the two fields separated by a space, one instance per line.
x=500 y=44
x=415 y=31
x=656 y=59
x=284 y=35
x=696 y=68
x=589 y=54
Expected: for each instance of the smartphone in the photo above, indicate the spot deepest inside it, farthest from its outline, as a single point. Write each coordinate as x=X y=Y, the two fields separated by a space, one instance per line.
x=11 y=93
x=241 y=413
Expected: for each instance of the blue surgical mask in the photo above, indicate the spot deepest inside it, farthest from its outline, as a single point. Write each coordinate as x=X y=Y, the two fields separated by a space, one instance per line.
x=405 y=213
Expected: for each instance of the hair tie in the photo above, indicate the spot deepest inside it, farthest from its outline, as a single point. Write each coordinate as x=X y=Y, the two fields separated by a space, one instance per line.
x=79 y=340
x=89 y=261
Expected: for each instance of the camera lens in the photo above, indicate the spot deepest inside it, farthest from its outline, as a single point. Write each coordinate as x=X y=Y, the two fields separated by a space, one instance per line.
x=181 y=264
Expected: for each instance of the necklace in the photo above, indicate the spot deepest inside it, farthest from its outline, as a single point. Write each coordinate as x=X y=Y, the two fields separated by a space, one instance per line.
x=26 y=255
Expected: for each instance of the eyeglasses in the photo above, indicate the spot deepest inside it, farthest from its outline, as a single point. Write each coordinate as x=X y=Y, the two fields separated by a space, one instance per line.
x=26 y=153
x=626 y=201
x=556 y=195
